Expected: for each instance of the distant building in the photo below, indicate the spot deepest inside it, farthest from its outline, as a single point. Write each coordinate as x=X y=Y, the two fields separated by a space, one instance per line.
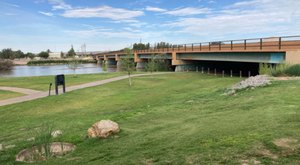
x=54 y=55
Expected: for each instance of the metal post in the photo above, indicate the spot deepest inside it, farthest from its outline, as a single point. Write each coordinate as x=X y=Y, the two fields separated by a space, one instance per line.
x=207 y=70
x=231 y=44
x=230 y=73
x=50 y=89
x=200 y=47
x=192 y=47
x=202 y=70
x=215 y=71
x=223 y=73
x=209 y=46
x=245 y=44
x=279 y=43
x=240 y=74
x=56 y=89
x=249 y=73
x=261 y=44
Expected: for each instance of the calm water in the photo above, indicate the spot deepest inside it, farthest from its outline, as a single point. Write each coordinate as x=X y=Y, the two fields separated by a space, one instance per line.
x=44 y=70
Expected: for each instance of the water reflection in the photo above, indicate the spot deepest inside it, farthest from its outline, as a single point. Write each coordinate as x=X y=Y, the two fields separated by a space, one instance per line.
x=44 y=70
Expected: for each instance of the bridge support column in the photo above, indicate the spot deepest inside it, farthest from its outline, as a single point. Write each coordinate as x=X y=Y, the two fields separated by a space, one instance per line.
x=140 y=63
x=111 y=63
x=292 y=57
x=181 y=65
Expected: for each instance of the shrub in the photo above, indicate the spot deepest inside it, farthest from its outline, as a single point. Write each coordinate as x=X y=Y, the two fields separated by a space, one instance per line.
x=293 y=70
x=269 y=69
x=5 y=64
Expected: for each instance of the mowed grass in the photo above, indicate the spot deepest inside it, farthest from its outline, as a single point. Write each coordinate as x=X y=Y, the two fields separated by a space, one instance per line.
x=42 y=82
x=179 y=118
x=8 y=94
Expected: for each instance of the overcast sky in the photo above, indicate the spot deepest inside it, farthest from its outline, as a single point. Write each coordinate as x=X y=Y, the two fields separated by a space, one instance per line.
x=36 y=25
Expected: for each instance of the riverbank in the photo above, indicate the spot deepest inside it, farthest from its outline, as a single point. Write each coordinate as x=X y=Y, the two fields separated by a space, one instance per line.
x=60 y=61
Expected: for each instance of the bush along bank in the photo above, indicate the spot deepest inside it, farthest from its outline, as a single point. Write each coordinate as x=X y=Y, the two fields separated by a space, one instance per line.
x=5 y=65
x=280 y=70
x=42 y=62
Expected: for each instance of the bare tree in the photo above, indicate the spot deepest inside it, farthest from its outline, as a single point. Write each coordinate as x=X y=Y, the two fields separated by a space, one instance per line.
x=128 y=64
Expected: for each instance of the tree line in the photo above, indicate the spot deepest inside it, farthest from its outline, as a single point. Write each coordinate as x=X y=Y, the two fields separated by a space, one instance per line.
x=159 y=45
x=10 y=54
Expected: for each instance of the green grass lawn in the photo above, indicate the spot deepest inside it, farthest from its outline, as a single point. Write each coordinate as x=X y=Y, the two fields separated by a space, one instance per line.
x=7 y=94
x=42 y=82
x=179 y=118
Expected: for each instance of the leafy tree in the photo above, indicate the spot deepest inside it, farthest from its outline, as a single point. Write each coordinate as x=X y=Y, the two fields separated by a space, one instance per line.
x=140 y=46
x=62 y=55
x=43 y=54
x=19 y=54
x=74 y=64
x=29 y=55
x=128 y=64
x=7 y=54
x=152 y=64
x=71 y=52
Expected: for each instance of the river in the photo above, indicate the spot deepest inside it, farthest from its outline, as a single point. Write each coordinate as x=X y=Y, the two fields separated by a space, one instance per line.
x=45 y=70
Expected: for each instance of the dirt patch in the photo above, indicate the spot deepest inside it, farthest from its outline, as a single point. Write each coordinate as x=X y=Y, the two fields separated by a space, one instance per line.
x=148 y=162
x=287 y=143
x=285 y=78
x=39 y=153
x=261 y=150
x=192 y=159
x=250 y=162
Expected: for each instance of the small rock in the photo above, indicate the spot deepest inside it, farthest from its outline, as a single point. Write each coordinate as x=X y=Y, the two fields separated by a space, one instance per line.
x=103 y=129
x=56 y=133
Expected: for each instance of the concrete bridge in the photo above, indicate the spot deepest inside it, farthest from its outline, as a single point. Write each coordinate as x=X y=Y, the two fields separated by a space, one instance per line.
x=273 y=50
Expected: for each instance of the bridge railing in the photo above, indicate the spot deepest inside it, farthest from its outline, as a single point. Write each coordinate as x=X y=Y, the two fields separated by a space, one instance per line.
x=254 y=44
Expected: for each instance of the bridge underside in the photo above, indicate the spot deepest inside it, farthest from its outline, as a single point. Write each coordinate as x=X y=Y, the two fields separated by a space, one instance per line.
x=260 y=57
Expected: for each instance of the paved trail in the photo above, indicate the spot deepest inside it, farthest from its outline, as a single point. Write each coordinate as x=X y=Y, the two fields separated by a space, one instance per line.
x=33 y=94
x=20 y=90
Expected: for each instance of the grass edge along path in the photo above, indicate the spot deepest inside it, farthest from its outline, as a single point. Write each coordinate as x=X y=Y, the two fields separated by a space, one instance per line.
x=68 y=89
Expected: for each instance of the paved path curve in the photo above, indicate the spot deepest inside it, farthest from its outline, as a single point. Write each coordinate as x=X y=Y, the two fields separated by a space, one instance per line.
x=37 y=94
x=20 y=90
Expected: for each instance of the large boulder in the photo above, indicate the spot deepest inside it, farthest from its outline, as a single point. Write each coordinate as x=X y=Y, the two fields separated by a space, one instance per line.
x=103 y=129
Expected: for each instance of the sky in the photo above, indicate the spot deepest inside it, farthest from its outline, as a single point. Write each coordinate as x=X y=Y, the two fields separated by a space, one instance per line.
x=103 y=25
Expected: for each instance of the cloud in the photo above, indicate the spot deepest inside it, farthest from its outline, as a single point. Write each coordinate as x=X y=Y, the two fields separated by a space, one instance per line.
x=10 y=4
x=188 y=11
x=155 y=9
x=59 y=5
x=180 y=11
x=259 y=17
x=46 y=13
x=116 y=14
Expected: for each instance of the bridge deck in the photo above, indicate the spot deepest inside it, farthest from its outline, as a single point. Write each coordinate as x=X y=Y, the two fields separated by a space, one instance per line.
x=274 y=44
